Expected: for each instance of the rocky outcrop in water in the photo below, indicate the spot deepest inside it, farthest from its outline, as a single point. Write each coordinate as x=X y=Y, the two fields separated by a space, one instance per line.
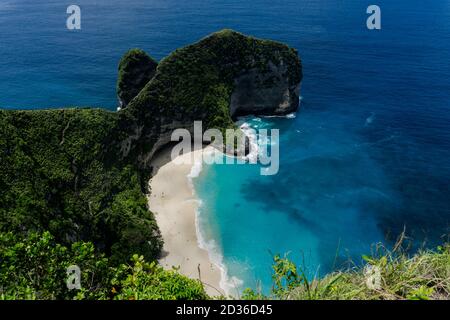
x=224 y=75
x=136 y=69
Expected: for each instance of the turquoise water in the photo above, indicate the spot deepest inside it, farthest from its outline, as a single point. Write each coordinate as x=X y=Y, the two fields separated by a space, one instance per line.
x=320 y=209
x=366 y=156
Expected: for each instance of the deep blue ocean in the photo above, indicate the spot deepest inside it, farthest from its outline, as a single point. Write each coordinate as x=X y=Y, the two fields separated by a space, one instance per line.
x=366 y=156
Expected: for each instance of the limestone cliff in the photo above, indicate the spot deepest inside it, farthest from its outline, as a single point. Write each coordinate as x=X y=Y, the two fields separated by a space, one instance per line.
x=222 y=76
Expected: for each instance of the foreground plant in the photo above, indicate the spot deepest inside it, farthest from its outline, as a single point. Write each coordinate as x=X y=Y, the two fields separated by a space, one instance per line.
x=424 y=276
x=35 y=268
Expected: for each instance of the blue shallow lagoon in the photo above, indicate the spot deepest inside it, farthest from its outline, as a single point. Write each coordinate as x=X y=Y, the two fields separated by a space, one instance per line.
x=366 y=156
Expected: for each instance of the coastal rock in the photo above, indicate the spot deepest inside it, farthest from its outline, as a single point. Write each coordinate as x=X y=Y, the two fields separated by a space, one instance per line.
x=136 y=69
x=224 y=75
x=267 y=93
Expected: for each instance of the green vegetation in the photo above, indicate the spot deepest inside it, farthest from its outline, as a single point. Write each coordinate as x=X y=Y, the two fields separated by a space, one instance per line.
x=196 y=82
x=59 y=172
x=34 y=267
x=136 y=69
x=424 y=276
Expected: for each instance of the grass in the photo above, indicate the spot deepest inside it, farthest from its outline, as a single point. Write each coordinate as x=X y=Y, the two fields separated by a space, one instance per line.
x=387 y=275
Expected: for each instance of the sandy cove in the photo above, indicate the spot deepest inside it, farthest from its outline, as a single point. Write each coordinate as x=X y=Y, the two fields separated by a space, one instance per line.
x=174 y=204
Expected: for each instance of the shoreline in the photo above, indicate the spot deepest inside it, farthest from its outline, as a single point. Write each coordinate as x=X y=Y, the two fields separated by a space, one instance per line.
x=175 y=206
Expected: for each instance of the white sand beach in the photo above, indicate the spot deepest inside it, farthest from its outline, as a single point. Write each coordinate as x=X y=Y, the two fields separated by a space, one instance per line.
x=173 y=202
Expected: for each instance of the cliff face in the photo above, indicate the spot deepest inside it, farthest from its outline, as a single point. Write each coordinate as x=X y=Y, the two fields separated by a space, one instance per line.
x=264 y=93
x=214 y=80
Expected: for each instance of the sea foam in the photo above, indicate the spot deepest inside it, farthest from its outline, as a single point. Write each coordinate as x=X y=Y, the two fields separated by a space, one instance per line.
x=250 y=133
x=229 y=284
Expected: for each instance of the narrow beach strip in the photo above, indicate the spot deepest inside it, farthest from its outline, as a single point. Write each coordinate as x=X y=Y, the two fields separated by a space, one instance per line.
x=175 y=206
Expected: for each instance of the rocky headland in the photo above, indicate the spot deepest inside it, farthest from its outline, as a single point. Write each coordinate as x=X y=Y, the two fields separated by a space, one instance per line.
x=82 y=173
